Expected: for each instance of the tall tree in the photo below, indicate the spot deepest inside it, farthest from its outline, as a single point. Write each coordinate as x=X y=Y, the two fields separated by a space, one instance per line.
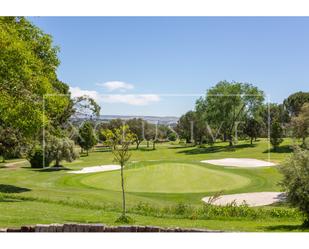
x=28 y=73
x=87 y=138
x=276 y=134
x=300 y=123
x=136 y=126
x=151 y=134
x=252 y=128
x=227 y=103
x=184 y=126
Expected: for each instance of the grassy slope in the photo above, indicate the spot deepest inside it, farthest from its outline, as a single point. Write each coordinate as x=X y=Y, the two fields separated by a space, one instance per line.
x=48 y=189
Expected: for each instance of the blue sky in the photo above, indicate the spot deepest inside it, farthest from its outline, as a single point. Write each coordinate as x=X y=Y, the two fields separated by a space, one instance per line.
x=149 y=56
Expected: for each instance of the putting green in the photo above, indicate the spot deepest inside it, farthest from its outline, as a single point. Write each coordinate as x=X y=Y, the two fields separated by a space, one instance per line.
x=168 y=178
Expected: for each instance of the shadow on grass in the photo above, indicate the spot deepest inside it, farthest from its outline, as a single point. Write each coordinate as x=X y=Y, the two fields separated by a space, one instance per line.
x=281 y=149
x=52 y=169
x=10 y=189
x=146 y=149
x=286 y=228
x=215 y=149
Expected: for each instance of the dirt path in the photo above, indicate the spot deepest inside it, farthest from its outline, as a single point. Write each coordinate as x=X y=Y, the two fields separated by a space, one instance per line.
x=14 y=165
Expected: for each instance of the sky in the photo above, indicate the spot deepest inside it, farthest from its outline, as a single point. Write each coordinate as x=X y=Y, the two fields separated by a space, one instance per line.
x=159 y=66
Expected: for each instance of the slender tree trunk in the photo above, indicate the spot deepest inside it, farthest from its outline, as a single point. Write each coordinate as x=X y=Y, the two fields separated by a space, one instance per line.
x=137 y=145
x=57 y=163
x=251 y=140
x=154 y=145
x=230 y=140
x=224 y=137
x=123 y=193
x=147 y=144
x=87 y=152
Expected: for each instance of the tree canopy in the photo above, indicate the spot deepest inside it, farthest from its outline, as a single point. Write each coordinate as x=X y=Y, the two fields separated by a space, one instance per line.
x=28 y=63
x=227 y=103
x=295 y=101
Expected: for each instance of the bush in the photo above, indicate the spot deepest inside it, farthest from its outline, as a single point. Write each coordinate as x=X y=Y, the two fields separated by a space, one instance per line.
x=296 y=180
x=208 y=211
x=124 y=219
x=36 y=158
x=172 y=137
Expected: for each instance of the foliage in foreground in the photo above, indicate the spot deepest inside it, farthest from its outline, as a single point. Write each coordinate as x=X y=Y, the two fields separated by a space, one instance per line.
x=296 y=179
x=208 y=211
x=180 y=210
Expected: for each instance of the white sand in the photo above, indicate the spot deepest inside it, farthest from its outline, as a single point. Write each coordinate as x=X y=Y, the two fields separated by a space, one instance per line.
x=252 y=199
x=239 y=162
x=96 y=169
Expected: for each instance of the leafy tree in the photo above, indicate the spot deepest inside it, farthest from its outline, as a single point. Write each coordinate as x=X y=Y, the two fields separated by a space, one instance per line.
x=164 y=131
x=136 y=126
x=276 y=133
x=10 y=143
x=28 y=73
x=87 y=138
x=295 y=101
x=227 y=103
x=151 y=134
x=115 y=124
x=100 y=131
x=300 y=123
x=252 y=129
x=185 y=126
x=296 y=180
x=58 y=149
x=120 y=140
x=85 y=106
x=172 y=136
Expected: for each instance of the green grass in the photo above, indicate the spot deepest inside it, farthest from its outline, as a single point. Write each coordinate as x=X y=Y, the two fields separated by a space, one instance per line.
x=168 y=178
x=164 y=177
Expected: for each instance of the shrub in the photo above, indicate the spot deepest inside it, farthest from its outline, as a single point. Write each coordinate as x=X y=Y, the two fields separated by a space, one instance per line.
x=36 y=158
x=209 y=211
x=172 y=137
x=296 y=180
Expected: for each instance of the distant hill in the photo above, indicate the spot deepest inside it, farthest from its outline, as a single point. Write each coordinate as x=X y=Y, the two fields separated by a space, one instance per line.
x=150 y=119
x=167 y=120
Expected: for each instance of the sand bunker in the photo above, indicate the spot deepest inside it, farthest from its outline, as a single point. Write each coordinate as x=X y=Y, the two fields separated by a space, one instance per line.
x=96 y=169
x=251 y=199
x=240 y=162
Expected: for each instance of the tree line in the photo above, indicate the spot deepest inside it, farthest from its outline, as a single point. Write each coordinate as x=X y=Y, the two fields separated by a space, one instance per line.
x=232 y=110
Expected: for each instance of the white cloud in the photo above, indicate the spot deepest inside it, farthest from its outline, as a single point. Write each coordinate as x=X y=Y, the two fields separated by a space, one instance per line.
x=116 y=85
x=77 y=92
x=131 y=99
